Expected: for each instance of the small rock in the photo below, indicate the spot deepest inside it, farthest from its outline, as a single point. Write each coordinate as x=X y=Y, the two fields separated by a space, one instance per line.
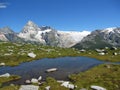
x=97 y=87
x=106 y=47
x=2 y=64
x=115 y=53
x=12 y=84
x=5 y=75
x=102 y=53
x=27 y=81
x=29 y=87
x=65 y=84
x=108 y=66
x=82 y=50
x=32 y=55
x=100 y=50
x=40 y=78
x=39 y=83
x=47 y=88
x=34 y=80
x=68 y=85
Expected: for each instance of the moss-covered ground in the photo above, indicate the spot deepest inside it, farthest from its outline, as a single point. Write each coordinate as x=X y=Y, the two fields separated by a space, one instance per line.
x=7 y=79
x=109 y=56
x=106 y=75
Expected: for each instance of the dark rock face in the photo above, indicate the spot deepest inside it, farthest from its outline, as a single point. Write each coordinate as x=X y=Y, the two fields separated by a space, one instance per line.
x=100 y=39
x=45 y=28
x=12 y=37
x=51 y=38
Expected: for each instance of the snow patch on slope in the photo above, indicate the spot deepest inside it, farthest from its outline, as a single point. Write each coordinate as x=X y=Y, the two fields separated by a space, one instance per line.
x=108 y=30
x=2 y=37
x=77 y=36
x=39 y=35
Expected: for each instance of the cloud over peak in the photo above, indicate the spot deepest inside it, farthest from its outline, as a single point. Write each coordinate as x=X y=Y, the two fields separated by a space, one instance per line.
x=3 y=5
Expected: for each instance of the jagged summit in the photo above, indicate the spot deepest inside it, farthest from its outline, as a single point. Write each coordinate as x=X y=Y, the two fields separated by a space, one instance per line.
x=111 y=30
x=32 y=32
x=30 y=22
x=46 y=28
x=30 y=27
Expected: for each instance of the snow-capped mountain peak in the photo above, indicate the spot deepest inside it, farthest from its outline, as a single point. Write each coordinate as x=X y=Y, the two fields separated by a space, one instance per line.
x=30 y=22
x=108 y=30
x=101 y=38
x=32 y=32
x=30 y=27
x=49 y=36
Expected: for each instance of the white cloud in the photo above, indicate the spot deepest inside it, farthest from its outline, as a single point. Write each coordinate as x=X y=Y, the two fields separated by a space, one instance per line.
x=3 y=5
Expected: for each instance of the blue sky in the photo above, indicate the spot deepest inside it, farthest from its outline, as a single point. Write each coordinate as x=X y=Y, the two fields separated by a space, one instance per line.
x=75 y=15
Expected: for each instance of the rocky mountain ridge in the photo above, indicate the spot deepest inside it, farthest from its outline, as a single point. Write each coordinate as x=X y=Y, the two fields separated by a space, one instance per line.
x=7 y=34
x=49 y=36
x=46 y=35
x=101 y=38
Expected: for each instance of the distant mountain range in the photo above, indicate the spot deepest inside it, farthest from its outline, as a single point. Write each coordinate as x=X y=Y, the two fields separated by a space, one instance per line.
x=46 y=35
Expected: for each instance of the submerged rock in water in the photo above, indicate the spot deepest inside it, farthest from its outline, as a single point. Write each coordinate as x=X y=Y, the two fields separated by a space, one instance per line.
x=51 y=70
